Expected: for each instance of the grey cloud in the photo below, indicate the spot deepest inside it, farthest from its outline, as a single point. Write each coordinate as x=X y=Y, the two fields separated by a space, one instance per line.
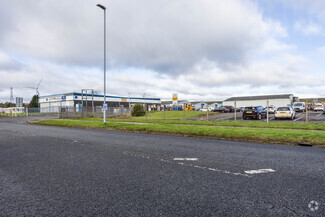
x=157 y=35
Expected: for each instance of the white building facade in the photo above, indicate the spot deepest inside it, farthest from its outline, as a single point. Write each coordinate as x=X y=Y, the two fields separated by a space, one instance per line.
x=52 y=103
x=275 y=100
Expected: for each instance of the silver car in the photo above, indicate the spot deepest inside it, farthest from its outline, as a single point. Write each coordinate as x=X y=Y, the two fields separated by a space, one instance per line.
x=285 y=112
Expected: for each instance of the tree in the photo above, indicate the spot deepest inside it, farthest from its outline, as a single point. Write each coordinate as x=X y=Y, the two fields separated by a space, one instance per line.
x=34 y=102
x=138 y=110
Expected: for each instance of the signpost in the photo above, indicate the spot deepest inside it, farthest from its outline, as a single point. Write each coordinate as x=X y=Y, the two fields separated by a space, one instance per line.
x=175 y=98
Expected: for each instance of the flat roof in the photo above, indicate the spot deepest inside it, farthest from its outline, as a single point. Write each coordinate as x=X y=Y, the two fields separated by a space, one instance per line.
x=97 y=95
x=246 y=98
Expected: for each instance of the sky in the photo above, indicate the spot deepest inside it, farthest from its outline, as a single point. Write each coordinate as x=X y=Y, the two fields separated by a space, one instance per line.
x=201 y=50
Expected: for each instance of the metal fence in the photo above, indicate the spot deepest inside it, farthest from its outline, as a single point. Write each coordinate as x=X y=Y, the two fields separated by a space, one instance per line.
x=87 y=112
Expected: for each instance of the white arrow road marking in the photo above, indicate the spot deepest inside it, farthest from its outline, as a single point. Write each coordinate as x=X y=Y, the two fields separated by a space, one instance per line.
x=297 y=119
x=259 y=171
x=319 y=114
x=187 y=159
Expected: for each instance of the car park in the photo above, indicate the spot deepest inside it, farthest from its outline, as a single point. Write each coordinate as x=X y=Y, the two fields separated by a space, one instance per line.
x=285 y=112
x=318 y=107
x=257 y=112
x=271 y=109
x=299 y=106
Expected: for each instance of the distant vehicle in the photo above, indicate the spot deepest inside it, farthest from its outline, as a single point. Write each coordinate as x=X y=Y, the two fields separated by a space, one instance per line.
x=257 y=112
x=310 y=107
x=271 y=109
x=240 y=109
x=230 y=108
x=189 y=107
x=203 y=110
x=222 y=109
x=318 y=107
x=285 y=112
x=299 y=106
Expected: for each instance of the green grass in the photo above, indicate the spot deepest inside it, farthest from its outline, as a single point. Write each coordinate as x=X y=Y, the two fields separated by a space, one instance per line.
x=173 y=115
x=261 y=135
x=251 y=124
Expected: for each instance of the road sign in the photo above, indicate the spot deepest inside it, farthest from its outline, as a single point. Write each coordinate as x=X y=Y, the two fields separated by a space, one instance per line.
x=104 y=107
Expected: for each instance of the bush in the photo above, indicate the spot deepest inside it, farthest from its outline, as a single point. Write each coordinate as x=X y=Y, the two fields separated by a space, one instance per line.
x=138 y=110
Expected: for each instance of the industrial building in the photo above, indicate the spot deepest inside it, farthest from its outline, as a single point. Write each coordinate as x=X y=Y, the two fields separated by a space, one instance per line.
x=52 y=103
x=275 y=100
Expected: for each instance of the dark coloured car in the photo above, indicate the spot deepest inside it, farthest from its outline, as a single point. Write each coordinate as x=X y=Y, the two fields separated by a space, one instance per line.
x=257 y=112
x=230 y=108
x=222 y=109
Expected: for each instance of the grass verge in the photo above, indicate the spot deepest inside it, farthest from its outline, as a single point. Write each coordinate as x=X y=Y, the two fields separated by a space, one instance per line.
x=281 y=136
x=250 y=124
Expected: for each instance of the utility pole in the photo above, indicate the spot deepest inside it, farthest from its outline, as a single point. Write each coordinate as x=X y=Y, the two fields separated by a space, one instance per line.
x=104 y=105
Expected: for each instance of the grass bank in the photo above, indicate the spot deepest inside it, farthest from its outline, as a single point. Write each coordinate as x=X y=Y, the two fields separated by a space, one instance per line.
x=173 y=115
x=251 y=124
x=282 y=136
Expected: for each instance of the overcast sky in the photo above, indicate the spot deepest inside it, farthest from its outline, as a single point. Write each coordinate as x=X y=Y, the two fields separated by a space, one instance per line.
x=202 y=50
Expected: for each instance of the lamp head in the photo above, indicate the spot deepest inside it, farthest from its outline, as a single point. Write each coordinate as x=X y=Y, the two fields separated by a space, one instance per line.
x=101 y=6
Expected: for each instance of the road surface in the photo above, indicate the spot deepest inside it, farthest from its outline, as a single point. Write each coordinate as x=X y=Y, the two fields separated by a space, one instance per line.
x=52 y=171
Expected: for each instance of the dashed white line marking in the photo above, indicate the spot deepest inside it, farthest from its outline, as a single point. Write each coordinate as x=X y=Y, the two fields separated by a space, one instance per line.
x=186 y=159
x=259 y=171
x=191 y=165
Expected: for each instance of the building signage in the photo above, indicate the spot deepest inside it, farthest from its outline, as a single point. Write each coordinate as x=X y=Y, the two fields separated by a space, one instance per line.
x=64 y=98
x=175 y=98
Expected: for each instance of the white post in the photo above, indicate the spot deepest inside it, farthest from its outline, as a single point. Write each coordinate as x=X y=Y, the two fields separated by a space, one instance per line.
x=235 y=112
x=267 y=111
x=26 y=111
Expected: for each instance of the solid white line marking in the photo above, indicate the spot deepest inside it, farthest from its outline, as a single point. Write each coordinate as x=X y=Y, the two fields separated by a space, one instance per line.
x=260 y=171
x=297 y=119
x=187 y=159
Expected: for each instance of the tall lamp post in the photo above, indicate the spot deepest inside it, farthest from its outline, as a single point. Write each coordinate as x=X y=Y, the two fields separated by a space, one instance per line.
x=104 y=8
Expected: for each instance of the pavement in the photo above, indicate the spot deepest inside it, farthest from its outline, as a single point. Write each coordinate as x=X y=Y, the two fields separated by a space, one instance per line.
x=312 y=117
x=54 y=171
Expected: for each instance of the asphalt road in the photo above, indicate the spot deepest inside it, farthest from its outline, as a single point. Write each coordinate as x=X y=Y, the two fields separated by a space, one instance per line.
x=313 y=117
x=51 y=171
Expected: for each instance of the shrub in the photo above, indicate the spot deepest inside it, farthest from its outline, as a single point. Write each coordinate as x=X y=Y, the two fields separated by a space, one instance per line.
x=138 y=110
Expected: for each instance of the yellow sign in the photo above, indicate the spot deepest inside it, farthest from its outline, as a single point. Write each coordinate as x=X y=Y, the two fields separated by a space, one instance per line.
x=123 y=100
x=175 y=97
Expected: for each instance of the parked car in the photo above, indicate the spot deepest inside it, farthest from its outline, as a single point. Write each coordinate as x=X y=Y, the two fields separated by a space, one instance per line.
x=299 y=106
x=310 y=107
x=222 y=109
x=271 y=109
x=324 y=110
x=285 y=112
x=318 y=107
x=230 y=108
x=257 y=112
x=203 y=110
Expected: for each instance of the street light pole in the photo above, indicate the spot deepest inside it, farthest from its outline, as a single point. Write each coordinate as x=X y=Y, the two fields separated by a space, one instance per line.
x=104 y=8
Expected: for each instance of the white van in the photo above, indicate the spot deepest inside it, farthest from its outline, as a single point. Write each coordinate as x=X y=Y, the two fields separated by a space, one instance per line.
x=299 y=106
